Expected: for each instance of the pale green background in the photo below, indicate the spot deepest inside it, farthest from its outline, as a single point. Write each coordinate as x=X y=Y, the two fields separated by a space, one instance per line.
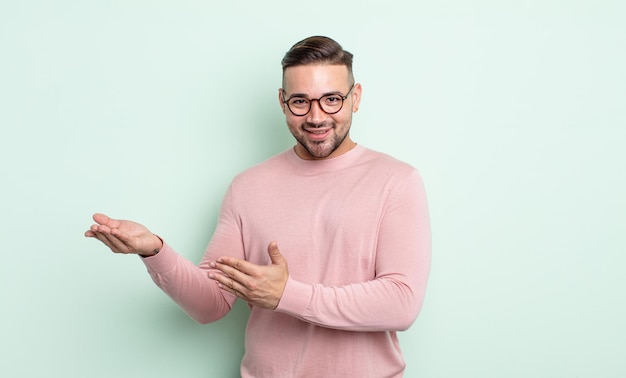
x=514 y=112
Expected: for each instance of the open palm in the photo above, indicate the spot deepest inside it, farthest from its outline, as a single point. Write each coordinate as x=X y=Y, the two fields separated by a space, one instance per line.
x=123 y=236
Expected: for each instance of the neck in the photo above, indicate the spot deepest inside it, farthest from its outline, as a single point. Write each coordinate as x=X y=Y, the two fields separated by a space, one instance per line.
x=346 y=145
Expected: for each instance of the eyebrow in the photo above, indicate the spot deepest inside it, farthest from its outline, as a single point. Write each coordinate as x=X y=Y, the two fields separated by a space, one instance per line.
x=306 y=96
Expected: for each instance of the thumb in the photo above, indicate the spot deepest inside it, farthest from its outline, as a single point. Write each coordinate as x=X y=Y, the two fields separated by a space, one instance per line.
x=105 y=220
x=275 y=256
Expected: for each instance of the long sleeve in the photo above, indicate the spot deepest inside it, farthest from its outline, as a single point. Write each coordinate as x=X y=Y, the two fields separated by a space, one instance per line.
x=187 y=284
x=355 y=233
x=390 y=301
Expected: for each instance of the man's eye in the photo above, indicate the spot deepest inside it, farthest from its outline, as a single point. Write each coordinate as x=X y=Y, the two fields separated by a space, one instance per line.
x=332 y=99
x=298 y=101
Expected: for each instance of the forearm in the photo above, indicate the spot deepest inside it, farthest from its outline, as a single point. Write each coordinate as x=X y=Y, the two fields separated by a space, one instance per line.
x=188 y=285
x=383 y=304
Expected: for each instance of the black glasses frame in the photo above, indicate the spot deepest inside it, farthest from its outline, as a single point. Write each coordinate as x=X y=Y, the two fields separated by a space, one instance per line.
x=310 y=100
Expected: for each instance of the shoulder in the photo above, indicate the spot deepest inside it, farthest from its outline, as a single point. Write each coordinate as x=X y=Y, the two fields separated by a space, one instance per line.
x=383 y=162
x=264 y=171
x=381 y=169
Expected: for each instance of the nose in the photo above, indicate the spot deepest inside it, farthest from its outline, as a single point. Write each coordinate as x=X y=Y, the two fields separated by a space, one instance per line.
x=316 y=114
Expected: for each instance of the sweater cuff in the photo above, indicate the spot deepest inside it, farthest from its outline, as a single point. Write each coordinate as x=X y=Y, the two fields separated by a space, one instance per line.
x=162 y=262
x=296 y=298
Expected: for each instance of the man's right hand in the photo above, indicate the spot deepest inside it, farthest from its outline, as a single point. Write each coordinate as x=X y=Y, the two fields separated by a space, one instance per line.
x=123 y=236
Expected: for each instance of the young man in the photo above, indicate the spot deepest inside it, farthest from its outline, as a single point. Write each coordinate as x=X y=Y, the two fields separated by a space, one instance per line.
x=328 y=242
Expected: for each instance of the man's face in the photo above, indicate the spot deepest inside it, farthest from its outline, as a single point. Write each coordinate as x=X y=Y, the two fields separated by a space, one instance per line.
x=320 y=135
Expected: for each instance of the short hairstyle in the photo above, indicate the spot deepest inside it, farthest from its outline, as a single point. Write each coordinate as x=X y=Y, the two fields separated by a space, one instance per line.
x=318 y=50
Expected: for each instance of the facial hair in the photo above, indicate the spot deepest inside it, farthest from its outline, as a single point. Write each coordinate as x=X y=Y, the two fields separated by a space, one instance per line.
x=321 y=149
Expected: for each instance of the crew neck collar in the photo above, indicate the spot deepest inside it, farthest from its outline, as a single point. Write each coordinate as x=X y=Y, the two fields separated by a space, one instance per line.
x=313 y=167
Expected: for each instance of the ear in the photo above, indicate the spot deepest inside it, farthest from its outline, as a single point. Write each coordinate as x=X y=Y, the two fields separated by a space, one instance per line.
x=280 y=100
x=356 y=97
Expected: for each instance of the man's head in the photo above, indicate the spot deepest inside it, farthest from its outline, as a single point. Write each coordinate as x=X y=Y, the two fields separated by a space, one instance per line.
x=319 y=96
x=317 y=50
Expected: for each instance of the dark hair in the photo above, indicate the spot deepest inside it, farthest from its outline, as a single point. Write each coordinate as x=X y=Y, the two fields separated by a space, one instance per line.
x=317 y=50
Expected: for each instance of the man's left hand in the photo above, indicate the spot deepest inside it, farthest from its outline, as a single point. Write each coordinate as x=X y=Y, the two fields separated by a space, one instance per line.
x=259 y=285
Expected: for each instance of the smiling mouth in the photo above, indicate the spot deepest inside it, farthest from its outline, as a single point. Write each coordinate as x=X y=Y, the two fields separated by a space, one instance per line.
x=318 y=134
x=315 y=131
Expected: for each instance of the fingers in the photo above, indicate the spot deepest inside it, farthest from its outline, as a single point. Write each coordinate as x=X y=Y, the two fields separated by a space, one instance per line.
x=229 y=278
x=105 y=240
x=102 y=225
x=237 y=265
x=107 y=225
x=259 y=285
x=112 y=238
x=105 y=220
x=229 y=284
x=118 y=243
x=232 y=273
x=101 y=218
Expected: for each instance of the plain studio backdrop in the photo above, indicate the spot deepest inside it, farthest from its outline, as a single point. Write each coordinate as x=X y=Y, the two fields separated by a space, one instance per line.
x=513 y=111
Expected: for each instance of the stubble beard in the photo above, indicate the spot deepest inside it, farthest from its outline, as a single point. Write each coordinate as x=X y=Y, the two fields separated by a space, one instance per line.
x=322 y=149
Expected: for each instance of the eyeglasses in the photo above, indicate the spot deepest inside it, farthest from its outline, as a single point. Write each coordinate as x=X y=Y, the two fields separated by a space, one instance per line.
x=329 y=103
